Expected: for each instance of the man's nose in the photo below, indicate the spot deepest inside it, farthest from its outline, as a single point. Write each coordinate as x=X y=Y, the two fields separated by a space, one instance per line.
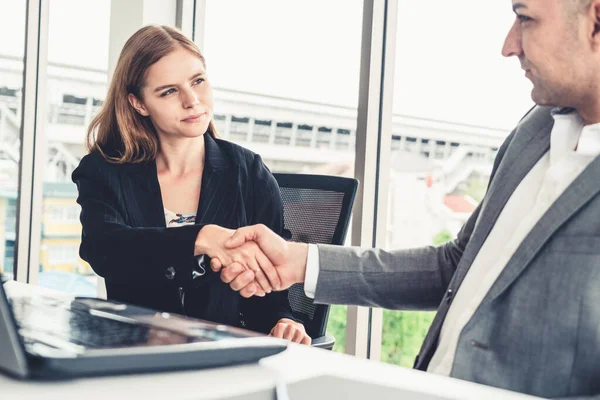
x=512 y=43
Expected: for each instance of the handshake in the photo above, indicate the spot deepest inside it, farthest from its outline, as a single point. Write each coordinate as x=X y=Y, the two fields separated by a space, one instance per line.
x=252 y=260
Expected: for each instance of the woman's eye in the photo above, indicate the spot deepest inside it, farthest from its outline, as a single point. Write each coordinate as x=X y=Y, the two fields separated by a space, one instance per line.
x=198 y=81
x=168 y=92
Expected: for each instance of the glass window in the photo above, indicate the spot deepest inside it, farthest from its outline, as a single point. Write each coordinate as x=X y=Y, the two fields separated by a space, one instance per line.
x=63 y=213
x=12 y=50
x=9 y=257
x=285 y=84
x=62 y=254
x=455 y=101
x=76 y=87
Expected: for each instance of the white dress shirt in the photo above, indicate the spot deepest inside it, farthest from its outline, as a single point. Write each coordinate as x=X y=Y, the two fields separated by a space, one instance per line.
x=572 y=147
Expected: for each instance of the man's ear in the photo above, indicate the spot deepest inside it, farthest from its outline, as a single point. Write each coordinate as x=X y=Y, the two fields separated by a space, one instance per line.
x=594 y=17
x=137 y=105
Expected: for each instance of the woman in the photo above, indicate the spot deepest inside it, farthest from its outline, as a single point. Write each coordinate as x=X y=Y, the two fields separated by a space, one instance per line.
x=158 y=186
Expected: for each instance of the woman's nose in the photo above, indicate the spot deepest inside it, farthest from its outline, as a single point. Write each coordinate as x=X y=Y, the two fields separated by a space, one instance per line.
x=190 y=99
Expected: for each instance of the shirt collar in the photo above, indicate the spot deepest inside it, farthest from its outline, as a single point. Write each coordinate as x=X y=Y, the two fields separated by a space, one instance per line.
x=565 y=135
x=589 y=141
x=569 y=135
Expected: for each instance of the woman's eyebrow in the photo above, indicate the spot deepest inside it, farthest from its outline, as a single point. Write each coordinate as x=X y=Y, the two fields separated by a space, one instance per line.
x=158 y=89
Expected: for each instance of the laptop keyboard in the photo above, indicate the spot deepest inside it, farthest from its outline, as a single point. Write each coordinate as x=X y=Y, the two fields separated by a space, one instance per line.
x=45 y=317
x=93 y=331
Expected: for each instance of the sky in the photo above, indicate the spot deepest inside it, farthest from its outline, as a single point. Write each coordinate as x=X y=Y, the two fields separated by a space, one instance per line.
x=448 y=62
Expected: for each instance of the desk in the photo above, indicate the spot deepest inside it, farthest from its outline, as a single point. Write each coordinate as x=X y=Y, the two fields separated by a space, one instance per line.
x=308 y=373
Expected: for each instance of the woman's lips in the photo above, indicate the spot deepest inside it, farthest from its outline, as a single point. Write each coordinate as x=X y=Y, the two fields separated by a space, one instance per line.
x=195 y=118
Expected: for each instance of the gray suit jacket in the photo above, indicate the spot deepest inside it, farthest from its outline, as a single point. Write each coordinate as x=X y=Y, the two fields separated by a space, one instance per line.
x=537 y=331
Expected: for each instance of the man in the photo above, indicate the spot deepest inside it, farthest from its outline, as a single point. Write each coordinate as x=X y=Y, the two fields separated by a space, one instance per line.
x=518 y=291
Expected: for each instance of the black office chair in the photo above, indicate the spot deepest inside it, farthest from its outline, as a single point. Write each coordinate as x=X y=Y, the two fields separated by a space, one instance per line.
x=317 y=210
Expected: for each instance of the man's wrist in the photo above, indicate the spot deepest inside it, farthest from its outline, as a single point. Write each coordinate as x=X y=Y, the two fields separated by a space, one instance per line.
x=299 y=255
x=311 y=276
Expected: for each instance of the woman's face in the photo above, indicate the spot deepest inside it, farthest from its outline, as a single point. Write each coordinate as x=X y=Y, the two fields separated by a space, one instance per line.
x=176 y=96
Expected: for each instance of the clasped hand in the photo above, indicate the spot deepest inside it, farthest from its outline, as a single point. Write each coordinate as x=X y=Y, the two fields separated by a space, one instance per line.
x=253 y=260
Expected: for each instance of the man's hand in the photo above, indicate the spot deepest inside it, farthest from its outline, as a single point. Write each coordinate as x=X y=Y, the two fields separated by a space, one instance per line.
x=286 y=261
x=290 y=330
x=247 y=259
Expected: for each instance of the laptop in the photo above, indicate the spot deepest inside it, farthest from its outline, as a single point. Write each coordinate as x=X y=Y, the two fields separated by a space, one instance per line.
x=55 y=338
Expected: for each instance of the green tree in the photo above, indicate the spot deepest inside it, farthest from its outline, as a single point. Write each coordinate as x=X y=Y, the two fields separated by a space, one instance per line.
x=336 y=326
x=403 y=333
x=442 y=237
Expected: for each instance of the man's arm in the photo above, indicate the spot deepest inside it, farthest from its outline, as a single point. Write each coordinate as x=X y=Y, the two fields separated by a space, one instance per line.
x=414 y=278
x=402 y=279
x=406 y=279
x=349 y=275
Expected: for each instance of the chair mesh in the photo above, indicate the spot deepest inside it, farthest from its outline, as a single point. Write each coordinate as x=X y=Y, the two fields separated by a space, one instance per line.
x=311 y=215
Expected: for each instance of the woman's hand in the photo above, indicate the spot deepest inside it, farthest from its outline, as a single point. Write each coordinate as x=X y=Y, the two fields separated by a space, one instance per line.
x=211 y=239
x=290 y=330
x=242 y=262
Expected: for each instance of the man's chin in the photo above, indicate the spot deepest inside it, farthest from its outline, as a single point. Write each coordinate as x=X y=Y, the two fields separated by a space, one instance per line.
x=541 y=99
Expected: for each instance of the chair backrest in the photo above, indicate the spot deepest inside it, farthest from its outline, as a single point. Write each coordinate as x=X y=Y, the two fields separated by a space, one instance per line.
x=317 y=210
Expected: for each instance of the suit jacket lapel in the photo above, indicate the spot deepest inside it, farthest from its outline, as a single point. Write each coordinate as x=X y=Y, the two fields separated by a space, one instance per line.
x=220 y=185
x=530 y=143
x=583 y=189
x=141 y=192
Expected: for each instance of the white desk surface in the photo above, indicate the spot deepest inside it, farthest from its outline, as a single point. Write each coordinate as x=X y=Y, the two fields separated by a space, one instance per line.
x=258 y=381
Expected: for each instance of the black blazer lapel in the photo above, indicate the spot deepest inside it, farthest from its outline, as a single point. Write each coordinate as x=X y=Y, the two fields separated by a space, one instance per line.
x=219 y=193
x=220 y=201
x=141 y=194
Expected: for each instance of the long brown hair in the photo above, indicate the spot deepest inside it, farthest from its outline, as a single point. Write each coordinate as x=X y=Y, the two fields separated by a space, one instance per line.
x=118 y=132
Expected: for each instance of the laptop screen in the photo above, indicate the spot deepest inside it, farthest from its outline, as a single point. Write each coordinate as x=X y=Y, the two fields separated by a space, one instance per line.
x=65 y=336
x=12 y=352
x=87 y=323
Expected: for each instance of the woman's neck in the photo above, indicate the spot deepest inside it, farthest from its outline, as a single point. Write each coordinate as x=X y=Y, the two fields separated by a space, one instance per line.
x=181 y=156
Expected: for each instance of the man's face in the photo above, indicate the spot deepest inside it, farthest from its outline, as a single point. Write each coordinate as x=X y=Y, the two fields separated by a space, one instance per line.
x=550 y=42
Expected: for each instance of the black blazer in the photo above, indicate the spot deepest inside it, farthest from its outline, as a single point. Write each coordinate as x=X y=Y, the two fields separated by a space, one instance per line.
x=126 y=241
